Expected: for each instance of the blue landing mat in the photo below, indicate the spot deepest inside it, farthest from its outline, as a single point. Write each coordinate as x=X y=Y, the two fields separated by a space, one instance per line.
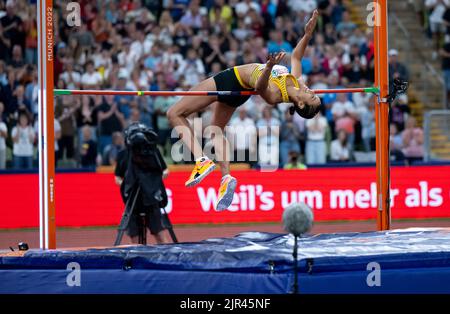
x=399 y=261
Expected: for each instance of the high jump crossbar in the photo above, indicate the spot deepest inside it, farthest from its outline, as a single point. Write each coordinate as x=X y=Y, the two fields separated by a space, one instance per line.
x=47 y=221
x=60 y=92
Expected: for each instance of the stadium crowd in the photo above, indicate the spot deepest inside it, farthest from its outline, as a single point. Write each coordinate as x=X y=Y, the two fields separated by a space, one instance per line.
x=435 y=15
x=143 y=45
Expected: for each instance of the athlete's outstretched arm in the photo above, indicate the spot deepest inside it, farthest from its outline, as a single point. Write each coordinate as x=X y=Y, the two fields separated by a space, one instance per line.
x=299 y=50
x=263 y=80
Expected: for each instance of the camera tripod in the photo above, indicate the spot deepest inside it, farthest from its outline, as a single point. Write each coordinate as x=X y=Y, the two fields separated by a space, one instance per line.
x=142 y=222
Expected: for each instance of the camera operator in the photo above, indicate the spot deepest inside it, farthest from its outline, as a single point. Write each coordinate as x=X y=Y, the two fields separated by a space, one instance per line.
x=140 y=164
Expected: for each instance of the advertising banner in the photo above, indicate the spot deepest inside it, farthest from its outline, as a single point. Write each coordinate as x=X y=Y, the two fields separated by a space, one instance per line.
x=93 y=199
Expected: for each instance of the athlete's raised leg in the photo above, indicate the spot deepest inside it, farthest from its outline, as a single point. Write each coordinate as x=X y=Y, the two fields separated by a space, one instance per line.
x=221 y=116
x=177 y=115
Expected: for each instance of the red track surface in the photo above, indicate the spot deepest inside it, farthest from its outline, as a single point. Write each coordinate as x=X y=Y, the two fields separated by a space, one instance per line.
x=89 y=237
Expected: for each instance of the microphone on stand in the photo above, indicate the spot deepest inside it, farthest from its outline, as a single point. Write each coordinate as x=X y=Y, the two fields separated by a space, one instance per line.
x=297 y=220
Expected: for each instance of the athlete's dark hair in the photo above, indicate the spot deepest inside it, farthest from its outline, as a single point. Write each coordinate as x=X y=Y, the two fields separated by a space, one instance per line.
x=307 y=112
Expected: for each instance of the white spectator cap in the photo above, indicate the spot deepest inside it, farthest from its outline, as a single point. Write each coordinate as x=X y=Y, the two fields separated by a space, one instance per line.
x=334 y=73
x=403 y=99
x=393 y=52
x=10 y=3
x=123 y=74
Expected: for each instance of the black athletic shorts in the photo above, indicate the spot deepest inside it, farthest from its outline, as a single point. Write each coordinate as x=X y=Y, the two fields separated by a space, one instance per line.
x=154 y=221
x=227 y=81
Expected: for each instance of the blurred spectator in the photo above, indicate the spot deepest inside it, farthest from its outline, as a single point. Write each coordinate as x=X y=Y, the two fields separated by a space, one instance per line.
x=395 y=142
x=3 y=73
x=362 y=101
x=268 y=131
x=399 y=112
x=294 y=163
x=221 y=11
x=289 y=138
x=5 y=44
x=305 y=5
x=345 y=27
x=243 y=31
x=330 y=34
x=57 y=137
x=111 y=151
x=88 y=150
x=368 y=127
x=243 y=130
x=57 y=132
x=437 y=9
x=135 y=116
x=30 y=28
x=65 y=114
x=153 y=59
x=243 y=6
x=17 y=61
x=445 y=54
x=23 y=137
x=342 y=108
x=355 y=64
x=212 y=53
x=259 y=49
x=12 y=28
x=123 y=101
x=61 y=54
x=412 y=137
x=192 y=17
x=167 y=29
x=83 y=37
x=171 y=60
x=359 y=38
x=19 y=102
x=255 y=23
x=278 y=43
x=91 y=79
x=339 y=148
x=70 y=77
x=87 y=115
x=139 y=47
x=301 y=123
x=316 y=149
x=160 y=107
x=3 y=136
x=192 y=68
x=329 y=99
x=7 y=96
x=32 y=92
x=100 y=27
x=347 y=123
x=446 y=17
x=396 y=68
x=110 y=120
x=176 y=7
x=216 y=67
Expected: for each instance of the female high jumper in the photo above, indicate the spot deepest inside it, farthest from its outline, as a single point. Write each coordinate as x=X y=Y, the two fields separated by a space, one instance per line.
x=273 y=83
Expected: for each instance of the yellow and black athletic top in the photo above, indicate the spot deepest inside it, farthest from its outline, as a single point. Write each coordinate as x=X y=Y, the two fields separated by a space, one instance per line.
x=279 y=76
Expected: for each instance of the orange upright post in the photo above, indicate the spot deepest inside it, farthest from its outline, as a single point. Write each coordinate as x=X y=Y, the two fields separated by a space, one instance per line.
x=382 y=114
x=46 y=126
